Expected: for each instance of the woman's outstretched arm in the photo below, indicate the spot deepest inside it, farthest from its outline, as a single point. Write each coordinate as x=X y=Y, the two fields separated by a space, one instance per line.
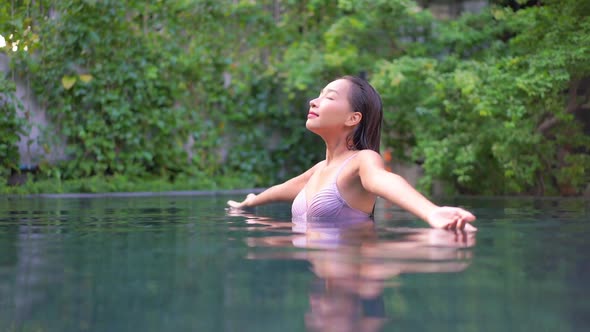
x=392 y=187
x=286 y=191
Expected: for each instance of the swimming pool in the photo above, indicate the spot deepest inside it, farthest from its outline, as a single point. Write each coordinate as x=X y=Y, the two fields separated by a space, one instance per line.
x=183 y=263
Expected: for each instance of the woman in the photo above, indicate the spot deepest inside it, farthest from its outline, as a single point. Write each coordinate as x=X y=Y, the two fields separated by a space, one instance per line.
x=348 y=115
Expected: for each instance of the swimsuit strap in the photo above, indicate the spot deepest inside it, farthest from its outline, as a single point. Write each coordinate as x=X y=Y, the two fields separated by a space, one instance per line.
x=342 y=166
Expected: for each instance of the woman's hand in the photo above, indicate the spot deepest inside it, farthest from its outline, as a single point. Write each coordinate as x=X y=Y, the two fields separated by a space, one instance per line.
x=447 y=217
x=243 y=204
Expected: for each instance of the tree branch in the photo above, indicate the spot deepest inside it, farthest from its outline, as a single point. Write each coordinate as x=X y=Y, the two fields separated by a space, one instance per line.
x=547 y=124
x=572 y=105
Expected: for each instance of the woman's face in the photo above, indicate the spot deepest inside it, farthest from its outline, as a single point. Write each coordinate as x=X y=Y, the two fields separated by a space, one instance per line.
x=331 y=108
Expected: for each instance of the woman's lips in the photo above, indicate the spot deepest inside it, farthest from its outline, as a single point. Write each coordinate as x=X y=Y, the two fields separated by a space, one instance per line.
x=312 y=115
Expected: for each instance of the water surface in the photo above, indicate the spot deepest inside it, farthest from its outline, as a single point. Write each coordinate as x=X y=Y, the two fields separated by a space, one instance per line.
x=183 y=263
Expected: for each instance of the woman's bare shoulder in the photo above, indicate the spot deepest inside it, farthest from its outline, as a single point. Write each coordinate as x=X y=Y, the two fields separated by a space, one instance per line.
x=369 y=160
x=318 y=165
x=369 y=156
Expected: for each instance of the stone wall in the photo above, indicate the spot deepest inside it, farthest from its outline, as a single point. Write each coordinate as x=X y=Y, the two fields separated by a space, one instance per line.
x=31 y=152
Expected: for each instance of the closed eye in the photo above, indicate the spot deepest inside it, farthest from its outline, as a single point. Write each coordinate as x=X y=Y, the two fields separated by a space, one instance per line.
x=329 y=93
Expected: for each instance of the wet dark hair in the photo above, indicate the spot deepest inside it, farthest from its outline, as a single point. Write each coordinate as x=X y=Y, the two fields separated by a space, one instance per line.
x=364 y=98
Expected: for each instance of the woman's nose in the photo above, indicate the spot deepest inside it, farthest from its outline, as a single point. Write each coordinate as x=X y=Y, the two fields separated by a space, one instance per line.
x=313 y=103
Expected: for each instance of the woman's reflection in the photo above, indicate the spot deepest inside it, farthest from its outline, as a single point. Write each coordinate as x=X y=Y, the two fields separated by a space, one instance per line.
x=354 y=263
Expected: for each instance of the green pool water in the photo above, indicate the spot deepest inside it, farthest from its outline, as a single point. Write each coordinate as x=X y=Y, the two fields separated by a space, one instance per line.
x=184 y=263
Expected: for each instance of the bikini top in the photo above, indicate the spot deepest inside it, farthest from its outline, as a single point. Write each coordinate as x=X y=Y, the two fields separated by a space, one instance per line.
x=326 y=204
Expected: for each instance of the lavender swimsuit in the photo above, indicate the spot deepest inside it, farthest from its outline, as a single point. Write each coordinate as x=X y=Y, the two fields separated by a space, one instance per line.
x=326 y=204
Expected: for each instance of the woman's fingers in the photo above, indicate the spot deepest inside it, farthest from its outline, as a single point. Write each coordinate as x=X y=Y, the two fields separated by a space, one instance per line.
x=470 y=227
x=461 y=223
x=452 y=224
x=234 y=204
x=242 y=204
x=468 y=216
x=461 y=220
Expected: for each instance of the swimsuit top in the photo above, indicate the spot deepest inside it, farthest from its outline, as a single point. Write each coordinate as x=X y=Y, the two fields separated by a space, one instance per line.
x=326 y=204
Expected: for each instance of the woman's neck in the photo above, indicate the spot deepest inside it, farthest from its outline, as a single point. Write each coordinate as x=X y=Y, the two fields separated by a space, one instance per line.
x=337 y=150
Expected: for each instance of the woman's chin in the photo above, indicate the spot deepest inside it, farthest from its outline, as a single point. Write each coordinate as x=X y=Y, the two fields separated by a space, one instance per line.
x=310 y=125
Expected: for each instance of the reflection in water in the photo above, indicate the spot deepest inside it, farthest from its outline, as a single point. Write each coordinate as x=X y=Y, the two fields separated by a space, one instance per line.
x=353 y=263
x=36 y=267
x=178 y=264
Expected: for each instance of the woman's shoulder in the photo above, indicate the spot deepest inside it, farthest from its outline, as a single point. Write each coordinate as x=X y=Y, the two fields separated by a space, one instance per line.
x=369 y=158
x=317 y=166
x=368 y=154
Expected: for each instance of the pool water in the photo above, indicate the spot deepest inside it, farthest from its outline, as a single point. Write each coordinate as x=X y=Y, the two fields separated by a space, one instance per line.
x=185 y=263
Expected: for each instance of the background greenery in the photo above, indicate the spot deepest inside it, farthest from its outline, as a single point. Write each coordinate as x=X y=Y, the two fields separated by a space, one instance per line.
x=198 y=94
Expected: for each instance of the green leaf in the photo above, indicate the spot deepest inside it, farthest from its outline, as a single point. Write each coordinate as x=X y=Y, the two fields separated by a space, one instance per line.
x=68 y=81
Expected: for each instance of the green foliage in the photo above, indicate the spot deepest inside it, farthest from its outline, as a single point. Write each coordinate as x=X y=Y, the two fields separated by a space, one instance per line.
x=110 y=93
x=477 y=123
x=16 y=36
x=219 y=89
x=123 y=183
x=11 y=125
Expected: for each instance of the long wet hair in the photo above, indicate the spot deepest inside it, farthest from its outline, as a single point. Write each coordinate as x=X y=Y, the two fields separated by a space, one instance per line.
x=364 y=98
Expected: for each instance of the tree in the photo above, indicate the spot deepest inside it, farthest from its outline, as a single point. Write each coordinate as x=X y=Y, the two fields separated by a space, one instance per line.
x=490 y=109
x=486 y=102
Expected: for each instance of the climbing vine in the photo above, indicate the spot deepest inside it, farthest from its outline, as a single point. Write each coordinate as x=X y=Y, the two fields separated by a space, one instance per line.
x=206 y=89
x=11 y=125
